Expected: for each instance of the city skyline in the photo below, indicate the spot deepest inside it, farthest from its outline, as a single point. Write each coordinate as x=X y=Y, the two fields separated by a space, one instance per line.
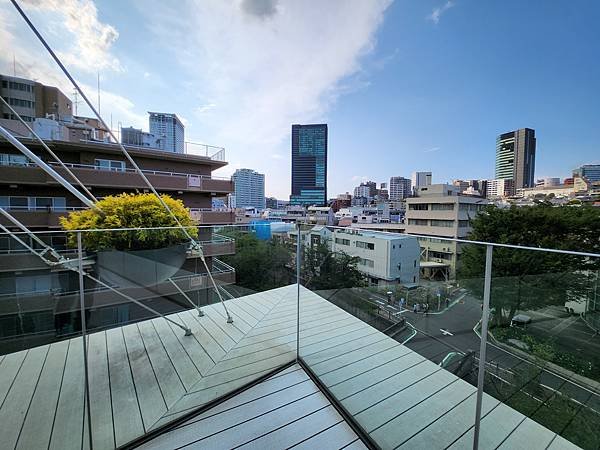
x=415 y=89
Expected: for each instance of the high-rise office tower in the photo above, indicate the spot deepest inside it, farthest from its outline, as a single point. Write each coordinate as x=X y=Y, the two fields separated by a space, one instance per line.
x=419 y=179
x=249 y=187
x=309 y=165
x=515 y=157
x=168 y=129
x=400 y=188
x=589 y=171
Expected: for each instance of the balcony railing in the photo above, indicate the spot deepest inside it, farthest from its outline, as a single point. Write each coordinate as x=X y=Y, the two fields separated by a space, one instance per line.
x=166 y=179
x=486 y=360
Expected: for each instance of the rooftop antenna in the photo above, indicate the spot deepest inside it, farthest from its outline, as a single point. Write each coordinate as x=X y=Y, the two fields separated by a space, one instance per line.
x=98 y=92
x=76 y=100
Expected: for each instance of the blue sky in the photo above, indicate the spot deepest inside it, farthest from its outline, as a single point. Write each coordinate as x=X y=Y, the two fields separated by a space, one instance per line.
x=404 y=85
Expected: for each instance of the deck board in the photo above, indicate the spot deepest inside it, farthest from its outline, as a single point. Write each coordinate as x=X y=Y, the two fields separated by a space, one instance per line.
x=37 y=426
x=127 y=415
x=146 y=374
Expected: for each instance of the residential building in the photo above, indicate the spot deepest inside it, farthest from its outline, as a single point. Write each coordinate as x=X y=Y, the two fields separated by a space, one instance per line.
x=367 y=190
x=273 y=203
x=400 y=188
x=515 y=157
x=440 y=212
x=138 y=138
x=309 y=165
x=249 y=188
x=579 y=185
x=341 y=201
x=471 y=187
x=169 y=131
x=547 y=182
x=384 y=258
x=501 y=188
x=31 y=99
x=419 y=179
x=383 y=194
x=38 y=201
x=589 y=171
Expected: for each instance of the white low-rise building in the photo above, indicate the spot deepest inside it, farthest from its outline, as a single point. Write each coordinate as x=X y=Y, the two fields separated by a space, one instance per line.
x=384 y=258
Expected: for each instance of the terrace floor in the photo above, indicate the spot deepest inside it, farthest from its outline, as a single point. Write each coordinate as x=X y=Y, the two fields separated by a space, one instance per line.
x=146 y=374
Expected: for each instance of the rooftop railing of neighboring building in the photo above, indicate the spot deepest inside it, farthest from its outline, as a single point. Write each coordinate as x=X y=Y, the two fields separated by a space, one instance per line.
x=504 y=354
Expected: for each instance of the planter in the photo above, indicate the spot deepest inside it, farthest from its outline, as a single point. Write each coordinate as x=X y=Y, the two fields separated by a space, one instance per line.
x=140 y=267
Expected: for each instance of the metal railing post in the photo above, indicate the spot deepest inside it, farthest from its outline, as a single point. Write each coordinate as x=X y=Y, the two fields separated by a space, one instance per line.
x=298 y=265
x=483 y=346
x=84 y=335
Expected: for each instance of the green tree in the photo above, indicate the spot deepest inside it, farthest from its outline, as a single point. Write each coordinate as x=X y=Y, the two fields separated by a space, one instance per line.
x=260 y=265
x=324 y=269
x=528 y=279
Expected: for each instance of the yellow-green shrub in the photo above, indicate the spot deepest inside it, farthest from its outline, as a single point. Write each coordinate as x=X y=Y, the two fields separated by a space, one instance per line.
x=130 y=211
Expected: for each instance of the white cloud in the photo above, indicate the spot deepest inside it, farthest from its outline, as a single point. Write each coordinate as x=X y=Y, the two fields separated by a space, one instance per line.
x=205 y=108
x=359 y=179
x=436 y=14
x=431 y=150
x=91 y=39
x=34 y=63
x=267 y=65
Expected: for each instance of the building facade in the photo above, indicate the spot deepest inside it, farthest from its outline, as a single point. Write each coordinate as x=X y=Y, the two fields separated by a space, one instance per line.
x=515 y=157
x=500 y=188
x=419 y=179
x=309 y=165
x=138 y=138
x=31 y=99
x=440 y=212
x=249 y=189
x=400 y=188
x=589 y=171
x=169 y=131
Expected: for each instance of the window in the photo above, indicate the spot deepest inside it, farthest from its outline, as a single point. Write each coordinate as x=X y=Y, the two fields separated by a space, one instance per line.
x=7 y=159
x=342 y=241
x=442 y=206
x=442 y=223
x=418 y=207
x=464 y=223
x=366 y=262
x=366 y=245
x=110 y=164
x=422 y=222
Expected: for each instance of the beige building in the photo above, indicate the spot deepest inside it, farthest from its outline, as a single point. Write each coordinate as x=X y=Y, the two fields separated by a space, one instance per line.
x=439 y=211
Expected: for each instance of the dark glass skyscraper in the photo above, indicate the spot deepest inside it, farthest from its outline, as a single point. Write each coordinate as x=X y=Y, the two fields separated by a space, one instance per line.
x=515 y=157
x=309 y=165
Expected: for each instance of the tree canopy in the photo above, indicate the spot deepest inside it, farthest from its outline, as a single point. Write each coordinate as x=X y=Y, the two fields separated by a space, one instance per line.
x=529 y=279
x=325 y=269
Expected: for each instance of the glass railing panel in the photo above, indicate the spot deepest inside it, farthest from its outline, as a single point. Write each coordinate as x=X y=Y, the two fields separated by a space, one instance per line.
x=42 y=365
x=174 y=324
x=543 y=353
x=392 y=339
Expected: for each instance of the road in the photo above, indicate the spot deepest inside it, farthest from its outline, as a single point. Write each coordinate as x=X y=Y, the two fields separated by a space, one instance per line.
x=439 y=334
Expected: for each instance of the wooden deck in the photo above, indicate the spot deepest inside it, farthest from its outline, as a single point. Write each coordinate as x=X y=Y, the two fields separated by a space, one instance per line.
x=146 y=374
x=286 y=411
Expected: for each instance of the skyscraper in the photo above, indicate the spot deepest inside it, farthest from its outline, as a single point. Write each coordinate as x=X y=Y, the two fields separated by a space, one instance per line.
x=589 y=171
x=515 y=157
x=249 y=188
x=399 y=188
x=419 y=179
x=309 y=165
x=168 y=129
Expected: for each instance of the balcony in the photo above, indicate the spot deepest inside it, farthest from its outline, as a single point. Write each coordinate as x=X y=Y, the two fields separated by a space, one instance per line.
x=311 y=358
x=124 y=178
x=208 y=216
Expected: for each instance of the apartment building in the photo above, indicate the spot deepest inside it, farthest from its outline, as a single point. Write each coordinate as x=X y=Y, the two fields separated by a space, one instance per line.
x=500 y=188
x=384 y=258
x=168 y=130
x=440 y=211
x=249 y=186
x=38 y=201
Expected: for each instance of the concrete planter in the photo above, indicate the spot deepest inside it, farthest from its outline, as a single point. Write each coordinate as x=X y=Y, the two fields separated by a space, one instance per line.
x=140 y=267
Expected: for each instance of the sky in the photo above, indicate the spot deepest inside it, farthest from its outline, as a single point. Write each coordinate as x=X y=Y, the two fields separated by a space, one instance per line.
x=404 y=85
